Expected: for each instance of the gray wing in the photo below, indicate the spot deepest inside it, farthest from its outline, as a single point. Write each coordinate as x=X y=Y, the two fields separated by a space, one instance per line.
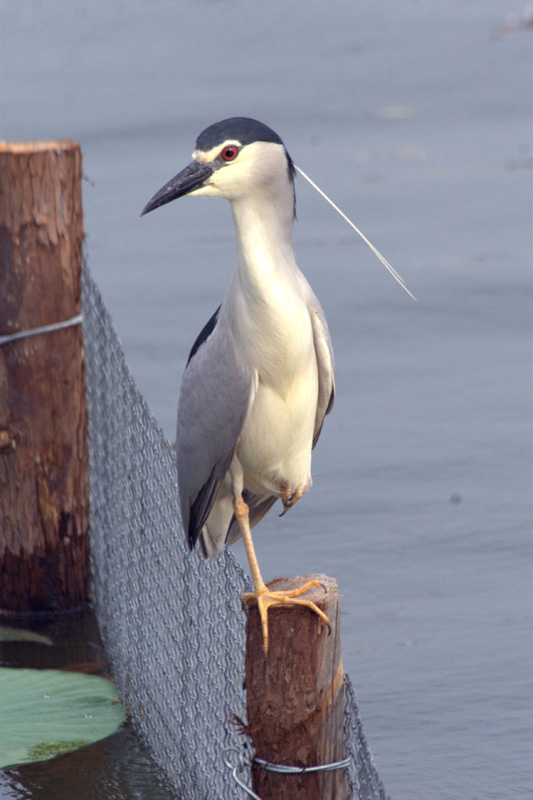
x=215 y=396
x=326 y=368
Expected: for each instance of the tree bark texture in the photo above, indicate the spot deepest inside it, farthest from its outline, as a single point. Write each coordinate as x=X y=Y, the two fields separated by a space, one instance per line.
x=295 y=695
x=43 y=421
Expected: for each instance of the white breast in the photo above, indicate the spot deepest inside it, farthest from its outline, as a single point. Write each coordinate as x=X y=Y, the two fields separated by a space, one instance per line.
x=275 y=445
x=267 y=307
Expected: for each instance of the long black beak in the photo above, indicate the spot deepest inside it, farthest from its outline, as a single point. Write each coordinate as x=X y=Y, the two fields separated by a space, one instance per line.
x=190 y=178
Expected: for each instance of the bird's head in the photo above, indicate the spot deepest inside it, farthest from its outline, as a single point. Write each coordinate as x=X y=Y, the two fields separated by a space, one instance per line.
x=232 y=159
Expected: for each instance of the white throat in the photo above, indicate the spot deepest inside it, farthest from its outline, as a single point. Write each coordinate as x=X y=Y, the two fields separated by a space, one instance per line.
x=264 y=221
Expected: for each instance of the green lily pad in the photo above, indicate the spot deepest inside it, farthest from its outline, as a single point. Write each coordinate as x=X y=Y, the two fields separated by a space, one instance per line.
x=47 y=712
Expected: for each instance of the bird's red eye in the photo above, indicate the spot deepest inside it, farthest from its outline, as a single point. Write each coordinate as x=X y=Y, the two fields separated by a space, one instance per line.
x=229 y=153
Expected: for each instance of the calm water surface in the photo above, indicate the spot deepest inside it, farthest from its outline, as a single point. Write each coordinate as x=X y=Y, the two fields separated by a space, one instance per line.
x=415 y=118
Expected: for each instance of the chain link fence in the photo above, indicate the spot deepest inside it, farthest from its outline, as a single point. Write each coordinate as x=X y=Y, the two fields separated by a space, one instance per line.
x=172 y=623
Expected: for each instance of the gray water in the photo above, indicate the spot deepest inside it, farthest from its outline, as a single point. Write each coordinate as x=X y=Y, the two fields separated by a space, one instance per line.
x=415 y=117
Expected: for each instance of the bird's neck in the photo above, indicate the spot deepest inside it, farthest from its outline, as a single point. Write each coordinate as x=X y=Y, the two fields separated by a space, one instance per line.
x=264 y=223
x=266 y=304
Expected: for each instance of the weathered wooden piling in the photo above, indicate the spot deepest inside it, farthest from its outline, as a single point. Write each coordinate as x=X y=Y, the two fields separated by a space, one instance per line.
x=43 y=420
x=295 y=695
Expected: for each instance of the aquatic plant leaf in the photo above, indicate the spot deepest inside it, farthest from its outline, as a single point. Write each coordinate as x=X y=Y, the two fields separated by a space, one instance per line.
x=21 y=635
x=47 y=712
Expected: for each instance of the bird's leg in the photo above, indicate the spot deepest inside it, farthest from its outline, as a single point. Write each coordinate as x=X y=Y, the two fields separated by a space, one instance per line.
x=243 y=520
x=261 y=594
x=289 y=498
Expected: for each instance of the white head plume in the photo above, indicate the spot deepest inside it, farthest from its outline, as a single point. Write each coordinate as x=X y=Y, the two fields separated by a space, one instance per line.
x=376 y=252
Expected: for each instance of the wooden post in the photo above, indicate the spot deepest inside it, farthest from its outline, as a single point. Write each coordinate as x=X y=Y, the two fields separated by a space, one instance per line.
x=43 y=420
x=295 y=695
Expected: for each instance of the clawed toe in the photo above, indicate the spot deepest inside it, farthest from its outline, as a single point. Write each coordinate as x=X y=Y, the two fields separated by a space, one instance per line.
x=265 y=599
x=289 y=498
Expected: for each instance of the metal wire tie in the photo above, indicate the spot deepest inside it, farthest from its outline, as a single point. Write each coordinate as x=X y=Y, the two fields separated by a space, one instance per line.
x=242 y=762
x=55 y=326
x=284 y=769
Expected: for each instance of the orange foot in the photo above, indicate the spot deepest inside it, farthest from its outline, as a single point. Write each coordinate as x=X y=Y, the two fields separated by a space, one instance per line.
x=289 y=498
x=265 y=598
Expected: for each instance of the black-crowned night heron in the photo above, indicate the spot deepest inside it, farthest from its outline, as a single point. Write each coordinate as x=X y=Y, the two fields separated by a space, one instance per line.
x=260 y=378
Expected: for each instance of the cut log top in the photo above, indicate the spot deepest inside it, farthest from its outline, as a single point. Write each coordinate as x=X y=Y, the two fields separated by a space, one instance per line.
x=36 y=147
